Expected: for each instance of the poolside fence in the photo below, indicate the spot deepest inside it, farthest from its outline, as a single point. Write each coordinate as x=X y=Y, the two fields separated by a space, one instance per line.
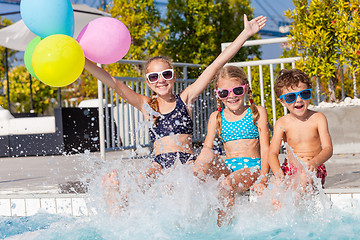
x=128 y=129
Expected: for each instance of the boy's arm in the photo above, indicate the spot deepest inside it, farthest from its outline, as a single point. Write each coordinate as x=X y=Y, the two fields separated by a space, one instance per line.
x=190 y=94
x=135 y=99
x=325 y=141
x=275 y=146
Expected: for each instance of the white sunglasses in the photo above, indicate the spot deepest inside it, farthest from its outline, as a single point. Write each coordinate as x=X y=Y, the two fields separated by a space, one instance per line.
x=153 y=77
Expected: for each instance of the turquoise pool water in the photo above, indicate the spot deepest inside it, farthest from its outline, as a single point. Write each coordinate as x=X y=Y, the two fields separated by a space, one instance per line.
x=333 y=224
x=180 y=206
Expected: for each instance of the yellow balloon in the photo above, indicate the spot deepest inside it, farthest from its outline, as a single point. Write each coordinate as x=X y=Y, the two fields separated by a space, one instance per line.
x=58 y=60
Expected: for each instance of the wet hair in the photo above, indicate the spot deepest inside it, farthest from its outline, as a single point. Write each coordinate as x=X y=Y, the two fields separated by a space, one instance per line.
x=290 y=78
x=233 y=72
x=153 y=102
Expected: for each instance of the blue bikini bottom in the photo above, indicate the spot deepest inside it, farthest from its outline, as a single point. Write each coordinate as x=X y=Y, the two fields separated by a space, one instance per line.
x=238 y=163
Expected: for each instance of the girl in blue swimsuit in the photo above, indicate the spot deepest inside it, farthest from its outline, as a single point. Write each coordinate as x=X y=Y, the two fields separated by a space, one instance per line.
x=172 y=130
x=245 y=134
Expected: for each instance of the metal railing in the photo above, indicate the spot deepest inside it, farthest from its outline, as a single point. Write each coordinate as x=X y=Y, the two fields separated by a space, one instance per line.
x=123 y=127
x=271 y=63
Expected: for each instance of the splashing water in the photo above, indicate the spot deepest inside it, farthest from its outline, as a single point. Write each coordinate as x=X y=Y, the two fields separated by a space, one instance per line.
x=180 y=206
x=301 y=189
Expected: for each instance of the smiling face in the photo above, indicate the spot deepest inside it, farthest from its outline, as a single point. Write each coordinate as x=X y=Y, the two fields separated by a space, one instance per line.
x=162 y=87
x=299 y=107
x=233 y=102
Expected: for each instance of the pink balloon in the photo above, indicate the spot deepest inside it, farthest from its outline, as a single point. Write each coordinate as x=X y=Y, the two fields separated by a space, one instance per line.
x=105 y=40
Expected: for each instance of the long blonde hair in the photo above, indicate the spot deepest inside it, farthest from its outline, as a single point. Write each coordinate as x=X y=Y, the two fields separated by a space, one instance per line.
x=233 y=72
x=153 y=102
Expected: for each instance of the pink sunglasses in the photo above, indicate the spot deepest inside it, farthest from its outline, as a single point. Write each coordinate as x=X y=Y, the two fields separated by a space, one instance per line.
x=224 y=93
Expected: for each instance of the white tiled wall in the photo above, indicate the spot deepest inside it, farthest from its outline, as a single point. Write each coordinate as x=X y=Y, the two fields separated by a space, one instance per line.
x=76 y=206
x=5 y=207
x=356 y=200
x=18 y=207
x=343 y=201
x=32 y=206
x=64 y=206
x=49 y=205
x=79 y=207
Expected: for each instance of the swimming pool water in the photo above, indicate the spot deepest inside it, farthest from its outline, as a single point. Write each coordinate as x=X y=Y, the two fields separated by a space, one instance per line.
x=332 y=224
x=180 y=206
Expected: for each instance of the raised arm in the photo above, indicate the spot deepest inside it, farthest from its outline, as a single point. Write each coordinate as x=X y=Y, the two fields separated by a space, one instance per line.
x=274 y=150
x=190 y=94
x=135 y=99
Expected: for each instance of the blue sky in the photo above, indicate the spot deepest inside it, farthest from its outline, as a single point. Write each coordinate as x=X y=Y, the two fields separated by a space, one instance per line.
x=273 y=9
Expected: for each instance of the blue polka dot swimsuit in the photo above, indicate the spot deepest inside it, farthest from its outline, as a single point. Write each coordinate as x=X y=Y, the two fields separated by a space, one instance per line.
x=241 y=129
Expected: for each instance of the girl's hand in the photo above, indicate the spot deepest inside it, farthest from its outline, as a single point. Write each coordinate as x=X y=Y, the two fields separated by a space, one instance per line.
x=254 y=25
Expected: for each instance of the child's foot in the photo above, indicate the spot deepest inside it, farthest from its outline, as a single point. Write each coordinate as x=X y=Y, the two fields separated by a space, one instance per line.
x=223 y=218
x=110 y=183
x=276 y=204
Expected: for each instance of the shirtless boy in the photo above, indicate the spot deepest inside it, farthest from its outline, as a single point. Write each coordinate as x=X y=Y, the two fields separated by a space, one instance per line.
x=304 y=130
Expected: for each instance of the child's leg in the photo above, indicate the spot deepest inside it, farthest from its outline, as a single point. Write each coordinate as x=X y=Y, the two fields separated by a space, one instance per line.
x=111 y=185
x=219 y=168
x=237 y=182
x=209 y=163
x=151 y=174
x=114 y=199
x=203 y=162
x=153 y=171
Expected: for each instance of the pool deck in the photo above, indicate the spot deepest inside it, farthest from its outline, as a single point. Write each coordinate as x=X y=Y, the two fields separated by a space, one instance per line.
x=49 y=174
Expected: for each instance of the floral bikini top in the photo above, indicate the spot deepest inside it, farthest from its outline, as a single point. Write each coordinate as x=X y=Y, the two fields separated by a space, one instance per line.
x=178 y=121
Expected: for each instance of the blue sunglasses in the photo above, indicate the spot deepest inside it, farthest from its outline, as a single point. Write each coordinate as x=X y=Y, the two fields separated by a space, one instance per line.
x=305 y=94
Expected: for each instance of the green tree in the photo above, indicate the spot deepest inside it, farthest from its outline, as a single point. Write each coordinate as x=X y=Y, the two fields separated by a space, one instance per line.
x=10 y=58
x=325 y=33
x=19 y=82
x=3 y=23
x=256 y=88
x=147 y=39
x=84 y=88
x=347 y=25
x=148 y=36
x=198 y=27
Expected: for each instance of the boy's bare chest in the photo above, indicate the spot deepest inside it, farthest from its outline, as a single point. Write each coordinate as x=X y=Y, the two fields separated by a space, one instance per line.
x=297 y=132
